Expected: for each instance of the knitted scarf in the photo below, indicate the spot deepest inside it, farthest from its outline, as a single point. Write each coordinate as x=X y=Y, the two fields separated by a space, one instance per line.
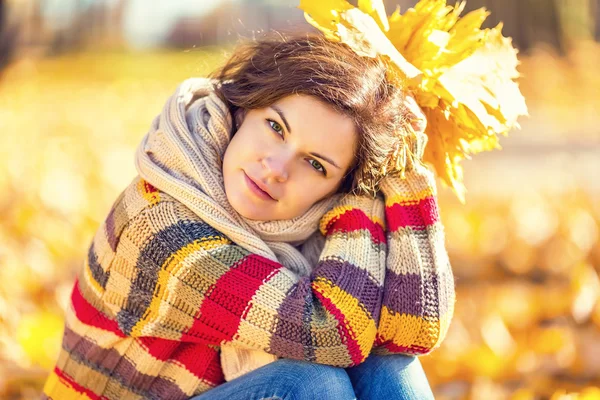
x=182 y=155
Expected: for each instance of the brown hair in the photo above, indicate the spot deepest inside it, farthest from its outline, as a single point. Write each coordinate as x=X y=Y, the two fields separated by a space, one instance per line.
x=261 y=72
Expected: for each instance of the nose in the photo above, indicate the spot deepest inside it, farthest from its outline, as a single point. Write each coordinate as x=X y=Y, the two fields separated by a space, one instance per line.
x=276 y=167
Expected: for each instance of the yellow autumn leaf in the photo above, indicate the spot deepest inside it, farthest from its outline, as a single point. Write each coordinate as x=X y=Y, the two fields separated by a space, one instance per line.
x=359 y=30
x=40 y=335
x=484 y=83
x=462 y=76
x=376 y=10
x=590 y=393
x=326 y=15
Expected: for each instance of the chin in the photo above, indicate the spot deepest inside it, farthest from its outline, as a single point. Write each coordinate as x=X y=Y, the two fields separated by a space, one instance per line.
x=248 y=210
x=253 y=214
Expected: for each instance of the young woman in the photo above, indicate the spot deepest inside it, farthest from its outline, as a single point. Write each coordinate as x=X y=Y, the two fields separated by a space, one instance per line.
x=268 y=241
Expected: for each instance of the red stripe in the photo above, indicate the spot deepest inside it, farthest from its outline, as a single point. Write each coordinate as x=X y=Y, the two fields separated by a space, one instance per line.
x=89 y=315
x=344 y=329
x=417 y=216
x=214 y=373
x=149 y=188
x=195 y=357
x=200 y=360
x=228 y=299
x=413 y=349
x=354 y=220
x=77 y=387
x=159 y=348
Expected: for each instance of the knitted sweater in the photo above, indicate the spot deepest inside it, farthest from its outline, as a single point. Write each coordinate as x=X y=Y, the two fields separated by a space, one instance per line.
x=161 y=290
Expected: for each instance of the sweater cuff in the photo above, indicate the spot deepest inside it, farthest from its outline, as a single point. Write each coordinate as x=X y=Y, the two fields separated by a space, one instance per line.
x=354 y=212
x=412 y=201
x=418 y=184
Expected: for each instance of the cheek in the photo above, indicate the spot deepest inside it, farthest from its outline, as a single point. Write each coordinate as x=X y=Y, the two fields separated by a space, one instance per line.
x=233 y=159
x=308 y=190
x=247 y=141
x=239 y=147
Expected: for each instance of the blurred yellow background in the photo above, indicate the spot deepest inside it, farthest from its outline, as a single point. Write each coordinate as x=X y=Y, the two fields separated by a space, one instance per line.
x=525 y=249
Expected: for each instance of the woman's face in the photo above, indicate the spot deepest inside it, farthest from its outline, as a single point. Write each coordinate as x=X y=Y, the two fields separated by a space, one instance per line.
x=286 y=157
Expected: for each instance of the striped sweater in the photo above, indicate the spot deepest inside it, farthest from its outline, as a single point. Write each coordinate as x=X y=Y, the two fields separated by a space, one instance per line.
x=161 y=290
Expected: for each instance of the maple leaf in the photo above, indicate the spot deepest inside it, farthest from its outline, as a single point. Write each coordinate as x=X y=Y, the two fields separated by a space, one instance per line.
x=462 y=76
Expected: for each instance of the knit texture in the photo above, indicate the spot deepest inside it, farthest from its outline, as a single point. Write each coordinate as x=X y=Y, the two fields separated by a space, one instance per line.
x=419 y=296
x=182 y=155
x=162 y=290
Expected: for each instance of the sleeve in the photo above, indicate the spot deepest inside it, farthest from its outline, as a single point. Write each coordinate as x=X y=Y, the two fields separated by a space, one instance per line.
x=187 y=282
x=419 y=295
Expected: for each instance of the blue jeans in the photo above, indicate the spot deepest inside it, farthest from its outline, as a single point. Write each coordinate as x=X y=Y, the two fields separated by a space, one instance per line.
x=391 y=377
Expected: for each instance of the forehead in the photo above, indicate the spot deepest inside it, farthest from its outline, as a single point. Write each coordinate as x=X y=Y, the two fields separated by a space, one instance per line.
x=320 y=125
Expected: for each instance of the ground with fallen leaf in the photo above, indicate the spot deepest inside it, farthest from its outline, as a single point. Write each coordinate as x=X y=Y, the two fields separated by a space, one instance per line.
x=525 y=248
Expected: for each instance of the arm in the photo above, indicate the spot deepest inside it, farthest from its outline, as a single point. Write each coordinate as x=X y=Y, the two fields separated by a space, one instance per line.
x=187 y=282
x=419 y=296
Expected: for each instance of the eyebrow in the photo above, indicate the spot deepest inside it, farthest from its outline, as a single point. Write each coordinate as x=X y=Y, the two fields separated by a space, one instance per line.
x=330 y=161
x=279 y=111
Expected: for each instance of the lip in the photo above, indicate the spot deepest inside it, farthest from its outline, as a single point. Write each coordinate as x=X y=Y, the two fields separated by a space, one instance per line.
x=256 y=189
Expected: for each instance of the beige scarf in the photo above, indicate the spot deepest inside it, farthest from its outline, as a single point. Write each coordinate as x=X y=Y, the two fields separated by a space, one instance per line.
x=182 y=155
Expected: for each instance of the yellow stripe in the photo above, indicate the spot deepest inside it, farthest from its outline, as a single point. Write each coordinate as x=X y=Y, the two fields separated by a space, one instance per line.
x=379 y=222
x=151 y=197
x=359 y=321
x=187 y=382
x=409 y=198
x=58 y=389
x=167 y=270
x=408 y=330
x=100 y=337
x=97 y=381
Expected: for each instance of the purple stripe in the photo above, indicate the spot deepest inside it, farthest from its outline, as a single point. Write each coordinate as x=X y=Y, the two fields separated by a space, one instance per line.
x=416 y=295
x=403 y=293
x=355 y=281
x=96 y=269
x=291 y=336
x=110 y=363
x=153 y=256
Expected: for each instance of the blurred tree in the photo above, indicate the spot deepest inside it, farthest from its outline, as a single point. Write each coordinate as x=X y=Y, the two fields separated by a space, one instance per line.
x=578 y=20
x=596 y=8
x=8 y=37
x=527 y=21
x=558 y=23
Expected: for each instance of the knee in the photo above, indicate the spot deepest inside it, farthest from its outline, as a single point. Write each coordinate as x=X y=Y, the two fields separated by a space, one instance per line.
x=318 y=381
x=382 y=376
x=396 y=362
